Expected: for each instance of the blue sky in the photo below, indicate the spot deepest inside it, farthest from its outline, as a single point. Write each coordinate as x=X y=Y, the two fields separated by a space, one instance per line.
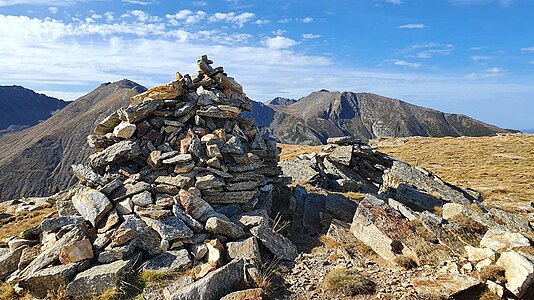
x=474 y=57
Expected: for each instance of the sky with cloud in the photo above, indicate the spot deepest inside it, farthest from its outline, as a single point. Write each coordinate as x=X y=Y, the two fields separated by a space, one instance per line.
x=474 y=57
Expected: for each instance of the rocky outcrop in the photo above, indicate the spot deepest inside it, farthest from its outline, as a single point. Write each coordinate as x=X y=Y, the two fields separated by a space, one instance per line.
x=181 y=179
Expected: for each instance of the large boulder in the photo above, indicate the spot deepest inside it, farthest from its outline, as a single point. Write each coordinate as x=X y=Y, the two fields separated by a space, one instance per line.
x=214 y=286
x=40 y=283
x=519 y=272
x=279 y=245
x=91 y=204
x=9 y=262
x=100 y=278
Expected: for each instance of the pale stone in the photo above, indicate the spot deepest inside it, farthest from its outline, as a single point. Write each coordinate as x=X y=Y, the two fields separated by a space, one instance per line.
x=124 y=130
x=519 y=272
x=502 y=240
x=91 y=204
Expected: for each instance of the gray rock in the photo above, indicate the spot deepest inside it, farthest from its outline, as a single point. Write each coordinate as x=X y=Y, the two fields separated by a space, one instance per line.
x=179 y=180
x=9 y=262
x=169 y=261
x=241 y=186
x=137 y=113
x=169 y=228
x=146 y=238
x=100 y=278
x=124 y=130
x=178 y=159
x=425 y=181
x=116 y=253
x=415 y=199
x=51 y=254
x=277 y=244
x=195 y=206
x=15 y=243
x=246 y=249
x=382 y=228
x=54 y=224
x=87 y=176
x=208 y=181
x=107 y=125
x=48 y=280
x=340 y=207
x=142 y=199
x=299 y=170
x=343 y=140
x=219 y=226
x=187 y=219
x=214 y=286
x=449 y=286
x=129 y=190
x=231 y=197
x=342 y=155
x=91 y=204
x=116 y=153
x=404 y=210
x=232 y=146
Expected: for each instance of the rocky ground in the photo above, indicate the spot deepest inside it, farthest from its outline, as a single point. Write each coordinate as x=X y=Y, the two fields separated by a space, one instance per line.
x=186 y=199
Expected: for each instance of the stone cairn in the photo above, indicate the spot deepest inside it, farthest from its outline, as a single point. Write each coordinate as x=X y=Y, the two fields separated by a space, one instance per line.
x=180 y=180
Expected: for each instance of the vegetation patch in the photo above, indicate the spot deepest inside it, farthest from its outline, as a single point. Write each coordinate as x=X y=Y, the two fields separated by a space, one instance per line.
x=348 y=283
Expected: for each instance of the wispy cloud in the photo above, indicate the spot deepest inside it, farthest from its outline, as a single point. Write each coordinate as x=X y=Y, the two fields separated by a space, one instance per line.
x=426 y=50
x=406 y=64
x=43 y=2
x=139 y=2
x=528 y=49
x=412 y=26
x=480 y=58
x=488 y=73
x=239 y=20
x=309 y=36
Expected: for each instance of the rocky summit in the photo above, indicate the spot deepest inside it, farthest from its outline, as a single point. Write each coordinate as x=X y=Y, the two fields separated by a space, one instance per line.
x=185 y=194
x=178 y=180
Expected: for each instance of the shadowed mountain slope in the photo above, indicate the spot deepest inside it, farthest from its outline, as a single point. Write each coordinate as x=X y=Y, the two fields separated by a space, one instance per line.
x=23 y=108
x=36 y=161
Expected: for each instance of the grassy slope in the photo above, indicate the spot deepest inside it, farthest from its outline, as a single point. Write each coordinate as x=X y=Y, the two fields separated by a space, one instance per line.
x=500 y=167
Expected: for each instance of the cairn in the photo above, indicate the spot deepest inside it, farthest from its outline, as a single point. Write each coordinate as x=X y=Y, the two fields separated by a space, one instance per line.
x=180 y=180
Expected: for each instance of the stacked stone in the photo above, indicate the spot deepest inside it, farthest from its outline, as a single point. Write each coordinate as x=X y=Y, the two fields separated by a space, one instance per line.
x=179 y=180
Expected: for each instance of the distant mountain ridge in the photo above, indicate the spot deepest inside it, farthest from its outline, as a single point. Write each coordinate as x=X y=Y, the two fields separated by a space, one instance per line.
x=323 y=114
x=37 y=160
x=22 y=107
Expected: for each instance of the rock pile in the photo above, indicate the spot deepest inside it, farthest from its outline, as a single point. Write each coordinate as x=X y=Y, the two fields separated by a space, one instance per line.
x=179 y=180
x=410 y=214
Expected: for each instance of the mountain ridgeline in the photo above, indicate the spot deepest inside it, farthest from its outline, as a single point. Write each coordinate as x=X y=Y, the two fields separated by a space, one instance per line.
x=22 y=108
x=320 y=115
x=36 y=161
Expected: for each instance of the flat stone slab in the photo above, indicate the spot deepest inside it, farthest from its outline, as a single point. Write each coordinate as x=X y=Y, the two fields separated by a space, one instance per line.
x=445 y=285
x=169 y=261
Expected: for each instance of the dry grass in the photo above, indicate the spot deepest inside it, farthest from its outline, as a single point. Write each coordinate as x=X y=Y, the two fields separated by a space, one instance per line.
x=340 y=280
x=289 y=152
x=59 y=294
x=267 y=274
x=500 y=167
x=7 y=292
x=405 y=262
x=493 y=273
x=14 y=225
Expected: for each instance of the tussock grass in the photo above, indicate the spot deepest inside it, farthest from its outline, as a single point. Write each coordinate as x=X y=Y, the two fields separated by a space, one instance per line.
x=59 y=294
x=493 y=273
x=499 y=167
x=405 y=262
x=340 y=280
x=267 y=274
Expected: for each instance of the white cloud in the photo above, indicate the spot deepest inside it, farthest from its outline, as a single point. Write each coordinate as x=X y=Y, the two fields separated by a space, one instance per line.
x=406 y=64
x=279 y=32
x=528 y=49
x=138 y=2
x=40 y=2
x=426 y=50
x=53 y=9
x=199 y=3
x=279 y=42
x=310 y=36
x=285 y=20
x=480 y=58
x=488 y=73
x=393 y=1
x=239 y=20
x=67 y=96
x=186 y=16
x=262 y=22
x=412 y=26
x=306 y=20
x=109 y=16
x=143 y=16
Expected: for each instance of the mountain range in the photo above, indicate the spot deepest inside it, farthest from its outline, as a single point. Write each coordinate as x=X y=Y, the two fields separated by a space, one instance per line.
x=314 y=118
x=22 y=108
x=36 y=161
